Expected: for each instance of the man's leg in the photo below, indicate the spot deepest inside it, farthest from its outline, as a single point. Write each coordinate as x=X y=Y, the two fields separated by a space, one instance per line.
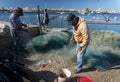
x=16 y=38
x=80 y=56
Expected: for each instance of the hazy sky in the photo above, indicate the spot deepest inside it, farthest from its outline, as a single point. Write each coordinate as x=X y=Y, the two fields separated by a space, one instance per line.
x=65 y=4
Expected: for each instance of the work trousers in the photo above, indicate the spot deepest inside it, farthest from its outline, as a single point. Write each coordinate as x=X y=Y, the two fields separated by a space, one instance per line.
x=80 y=56
x=17 y=42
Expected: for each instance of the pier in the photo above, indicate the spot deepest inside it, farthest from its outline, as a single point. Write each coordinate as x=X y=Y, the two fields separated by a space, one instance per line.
x=104 y=22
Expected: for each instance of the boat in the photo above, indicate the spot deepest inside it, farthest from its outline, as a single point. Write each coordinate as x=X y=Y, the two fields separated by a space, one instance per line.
x=6 y=39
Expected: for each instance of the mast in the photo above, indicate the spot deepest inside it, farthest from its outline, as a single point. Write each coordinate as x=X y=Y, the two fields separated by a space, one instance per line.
x=39 y=21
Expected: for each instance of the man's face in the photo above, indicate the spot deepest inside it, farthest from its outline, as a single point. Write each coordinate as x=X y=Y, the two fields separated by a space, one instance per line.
x=21 y=13
x=74 y=22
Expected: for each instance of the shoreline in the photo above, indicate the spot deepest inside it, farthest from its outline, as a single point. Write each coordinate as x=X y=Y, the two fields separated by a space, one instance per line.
x=59 y=11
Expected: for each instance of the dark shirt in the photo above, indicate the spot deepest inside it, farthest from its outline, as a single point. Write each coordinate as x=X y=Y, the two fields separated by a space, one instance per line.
x=45 y=18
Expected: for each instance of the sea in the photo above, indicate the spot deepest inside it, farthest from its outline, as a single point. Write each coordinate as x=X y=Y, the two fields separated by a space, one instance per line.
x=58 y=20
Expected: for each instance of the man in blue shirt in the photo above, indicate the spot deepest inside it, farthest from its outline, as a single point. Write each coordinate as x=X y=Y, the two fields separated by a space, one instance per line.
x=16 y=28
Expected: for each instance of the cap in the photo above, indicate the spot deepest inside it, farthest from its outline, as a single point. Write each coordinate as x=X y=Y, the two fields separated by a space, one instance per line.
x=70 y=17
x=19 y=10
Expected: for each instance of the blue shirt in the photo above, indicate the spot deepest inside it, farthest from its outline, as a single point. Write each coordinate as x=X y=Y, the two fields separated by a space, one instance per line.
x=15 y=21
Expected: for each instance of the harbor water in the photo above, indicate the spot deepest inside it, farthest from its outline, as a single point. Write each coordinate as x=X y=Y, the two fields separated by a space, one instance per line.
x=60 y=20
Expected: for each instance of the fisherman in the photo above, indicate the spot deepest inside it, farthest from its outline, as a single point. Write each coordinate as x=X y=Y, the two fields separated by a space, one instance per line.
x=45 y=20
x=16 y=28
x=81 y=36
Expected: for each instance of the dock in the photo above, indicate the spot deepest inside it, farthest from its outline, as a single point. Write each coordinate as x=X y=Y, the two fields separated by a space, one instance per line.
x=103 y=22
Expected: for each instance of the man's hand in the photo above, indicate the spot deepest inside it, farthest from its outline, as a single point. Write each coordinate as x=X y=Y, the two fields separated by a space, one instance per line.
x=26 y=30
x=79 y=49
x=24 y=24
x=71 y=40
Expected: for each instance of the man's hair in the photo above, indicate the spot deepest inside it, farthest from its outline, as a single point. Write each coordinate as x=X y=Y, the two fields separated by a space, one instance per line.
x=45 y=10
x=70 y=17
x=19 y=10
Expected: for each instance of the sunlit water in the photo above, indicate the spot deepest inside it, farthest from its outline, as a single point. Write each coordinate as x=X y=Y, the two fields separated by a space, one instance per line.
x=60 y=21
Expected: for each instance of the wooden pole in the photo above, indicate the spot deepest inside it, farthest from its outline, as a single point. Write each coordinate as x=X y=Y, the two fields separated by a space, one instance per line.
x=40 y=26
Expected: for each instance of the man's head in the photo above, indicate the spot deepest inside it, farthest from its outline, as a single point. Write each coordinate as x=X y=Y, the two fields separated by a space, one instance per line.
x=45 y=10
x=72 y=19
x=19 y=11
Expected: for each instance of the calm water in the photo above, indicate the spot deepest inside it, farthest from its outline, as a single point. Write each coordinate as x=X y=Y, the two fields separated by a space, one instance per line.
x=60 y=21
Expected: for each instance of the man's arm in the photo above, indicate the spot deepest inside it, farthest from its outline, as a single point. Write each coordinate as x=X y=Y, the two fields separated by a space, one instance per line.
x=18 y=25
x=72 y=38
x=24 y=24
x=85 y=35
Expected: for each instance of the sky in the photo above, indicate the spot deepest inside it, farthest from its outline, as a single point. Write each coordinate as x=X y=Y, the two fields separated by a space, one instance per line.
x=65 y=4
